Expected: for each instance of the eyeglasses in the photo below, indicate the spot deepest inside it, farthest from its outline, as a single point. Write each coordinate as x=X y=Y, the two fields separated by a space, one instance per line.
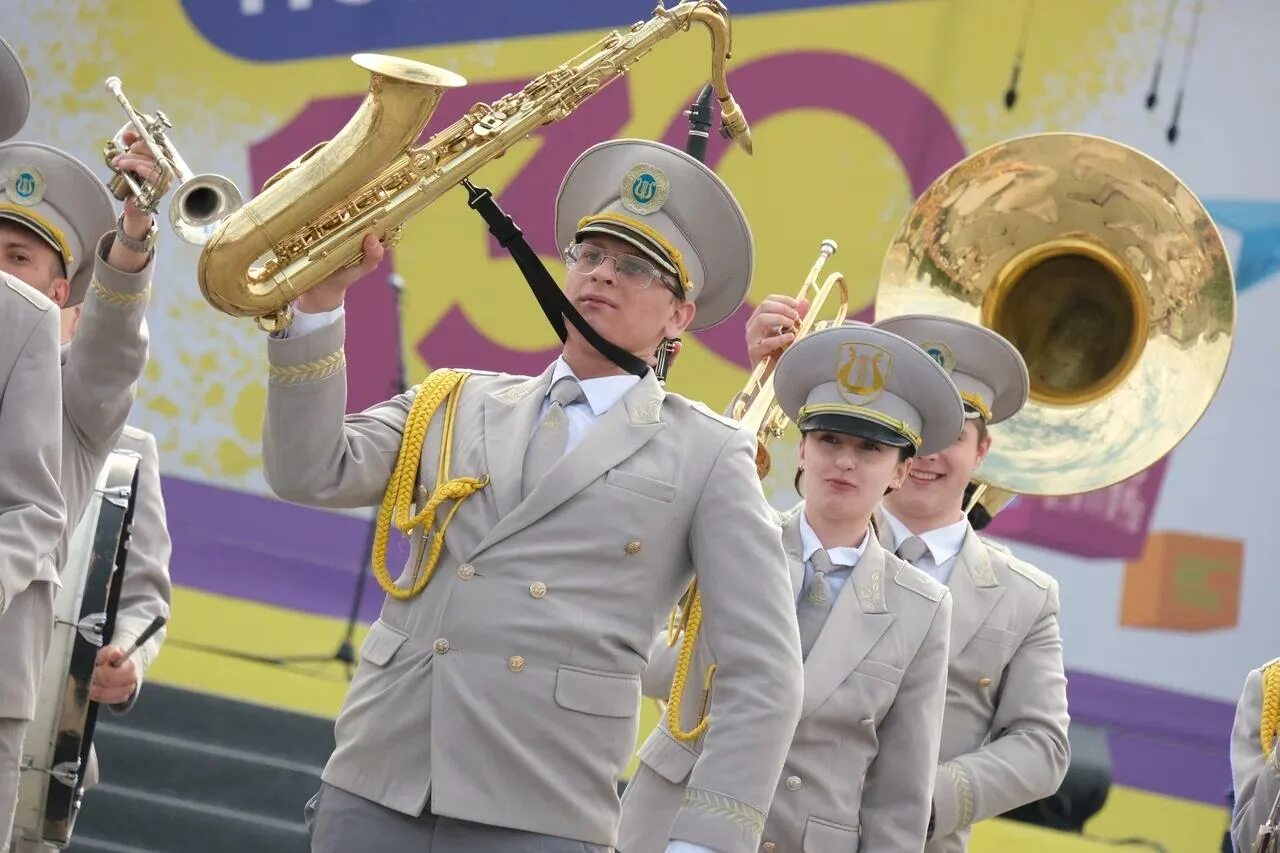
x=584 y=258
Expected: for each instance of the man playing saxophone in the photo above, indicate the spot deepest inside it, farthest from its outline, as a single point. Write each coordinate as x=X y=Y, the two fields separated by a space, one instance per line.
x=860 y=768
x=496 y=710
x=32 y=511
x=1004 y=731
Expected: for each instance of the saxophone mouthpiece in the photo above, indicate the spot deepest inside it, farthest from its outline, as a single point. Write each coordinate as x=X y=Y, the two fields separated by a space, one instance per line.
x=734 y=124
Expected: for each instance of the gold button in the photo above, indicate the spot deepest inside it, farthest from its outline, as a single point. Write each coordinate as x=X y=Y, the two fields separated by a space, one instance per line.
x=466 y=571
x=984 y=682
x=793 y=783
x=515 y=663
x=768 y=847
x=442 y=646
x=633 y=547
x=538 y=589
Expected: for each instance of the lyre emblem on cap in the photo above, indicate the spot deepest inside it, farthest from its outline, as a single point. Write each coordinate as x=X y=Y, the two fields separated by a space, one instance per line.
x=25 y=186
x=941 y=353
x=862 y=372
x=644 y=189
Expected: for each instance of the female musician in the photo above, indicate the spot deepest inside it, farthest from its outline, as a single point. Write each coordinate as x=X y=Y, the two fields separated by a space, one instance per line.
x=874 y=630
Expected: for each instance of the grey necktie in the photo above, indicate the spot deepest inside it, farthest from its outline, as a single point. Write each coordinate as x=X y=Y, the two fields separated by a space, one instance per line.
x=548 y=442
x=912 y=549
x=815 y=602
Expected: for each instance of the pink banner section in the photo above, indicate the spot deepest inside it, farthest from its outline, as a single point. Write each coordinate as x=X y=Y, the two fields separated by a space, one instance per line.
x=1108 y=523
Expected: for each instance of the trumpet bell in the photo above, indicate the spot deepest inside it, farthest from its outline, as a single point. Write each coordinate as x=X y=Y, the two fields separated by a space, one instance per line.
x=1107 y=274
x=200 y=204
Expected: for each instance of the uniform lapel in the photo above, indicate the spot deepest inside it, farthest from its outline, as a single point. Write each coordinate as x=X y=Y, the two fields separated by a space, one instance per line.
x=857 y=621
x=616 y=436
x=975 y=591
x=509 y=418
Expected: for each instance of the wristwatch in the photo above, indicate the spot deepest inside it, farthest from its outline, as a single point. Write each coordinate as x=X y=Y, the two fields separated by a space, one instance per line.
x=143 y=246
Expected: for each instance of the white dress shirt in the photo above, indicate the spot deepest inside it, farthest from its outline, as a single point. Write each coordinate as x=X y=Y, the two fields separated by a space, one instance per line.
x=601 y=393
x=942 y=545
x=843 y=559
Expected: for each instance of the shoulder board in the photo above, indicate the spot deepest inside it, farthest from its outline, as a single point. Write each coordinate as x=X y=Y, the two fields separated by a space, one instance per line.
x=784 y=516
x=475 y=372
x=996 y=546
x=909 y=577
x=27 y=292
x=703 y=408
x=134 y=433
x=1038 y=577
x=1269 y=664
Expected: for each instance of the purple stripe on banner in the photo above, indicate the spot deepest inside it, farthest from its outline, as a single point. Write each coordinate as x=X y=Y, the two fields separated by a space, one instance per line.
x=1161 y=740
x=237 y=544
x=241 y=545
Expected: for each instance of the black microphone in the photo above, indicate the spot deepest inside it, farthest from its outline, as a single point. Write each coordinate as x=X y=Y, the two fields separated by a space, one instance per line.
x=699 y=115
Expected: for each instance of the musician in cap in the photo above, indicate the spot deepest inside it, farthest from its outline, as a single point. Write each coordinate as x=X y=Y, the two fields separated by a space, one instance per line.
x=145 y=593
x=1255 y=761
x=497 y=697
x=32 y=511
x=60 y=236
x=873 y=629
x=1004 y=733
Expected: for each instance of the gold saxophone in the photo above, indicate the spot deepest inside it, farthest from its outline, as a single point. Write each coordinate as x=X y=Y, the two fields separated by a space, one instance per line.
x=756 y=407
x=310 y=218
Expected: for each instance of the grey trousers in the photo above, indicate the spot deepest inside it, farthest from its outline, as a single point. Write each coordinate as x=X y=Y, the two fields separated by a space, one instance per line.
x=11 y=734
x=339 y=822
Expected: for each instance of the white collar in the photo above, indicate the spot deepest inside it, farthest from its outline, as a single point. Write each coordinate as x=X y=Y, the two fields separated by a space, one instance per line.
x=943 y=542
x=602 y=392
x=846 y=556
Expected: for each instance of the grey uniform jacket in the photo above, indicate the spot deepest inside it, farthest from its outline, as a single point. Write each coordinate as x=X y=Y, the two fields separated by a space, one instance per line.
x=860 y=769
x=1004 y=732
x=1256 y=778
x=32 y=511
x=100 y=369
x=508 y=692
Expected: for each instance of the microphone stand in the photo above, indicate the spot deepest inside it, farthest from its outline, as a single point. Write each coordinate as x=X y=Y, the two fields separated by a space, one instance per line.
x=346 y=651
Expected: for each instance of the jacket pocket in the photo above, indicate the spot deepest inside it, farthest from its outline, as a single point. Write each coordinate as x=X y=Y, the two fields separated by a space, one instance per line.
x=999 y=636
x=878 y=669
x=381 y=643
x=591 y=691
x=667 y=757
x=641 y=485
x=825 y=836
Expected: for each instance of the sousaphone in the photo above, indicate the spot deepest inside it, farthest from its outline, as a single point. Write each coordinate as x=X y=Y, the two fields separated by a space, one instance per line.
x=1107 y=274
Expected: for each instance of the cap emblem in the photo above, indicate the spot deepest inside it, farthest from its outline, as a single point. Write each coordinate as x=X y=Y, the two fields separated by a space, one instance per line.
x=25 y=186
x=644 y=189
x=940 y=353
x=862 y=372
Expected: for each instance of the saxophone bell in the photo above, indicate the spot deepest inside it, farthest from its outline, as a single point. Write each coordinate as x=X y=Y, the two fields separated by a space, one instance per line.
x=200 y=202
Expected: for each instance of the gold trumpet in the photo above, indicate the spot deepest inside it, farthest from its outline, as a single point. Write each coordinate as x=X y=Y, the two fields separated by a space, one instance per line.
x=1105 y=271
x=756 y=407
x=310 y=219
x=199 y=203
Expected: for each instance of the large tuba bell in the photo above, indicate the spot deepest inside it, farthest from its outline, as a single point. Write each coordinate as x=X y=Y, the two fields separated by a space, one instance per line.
x=310 y=219
x=1107 y=274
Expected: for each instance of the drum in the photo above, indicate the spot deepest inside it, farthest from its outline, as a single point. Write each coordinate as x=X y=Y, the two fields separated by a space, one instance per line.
x=56 y=750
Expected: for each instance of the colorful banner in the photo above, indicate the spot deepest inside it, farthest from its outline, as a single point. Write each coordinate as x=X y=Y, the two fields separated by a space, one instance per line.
x=855 y=107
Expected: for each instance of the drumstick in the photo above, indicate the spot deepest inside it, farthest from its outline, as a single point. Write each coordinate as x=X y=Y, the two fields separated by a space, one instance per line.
x=156 y=624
